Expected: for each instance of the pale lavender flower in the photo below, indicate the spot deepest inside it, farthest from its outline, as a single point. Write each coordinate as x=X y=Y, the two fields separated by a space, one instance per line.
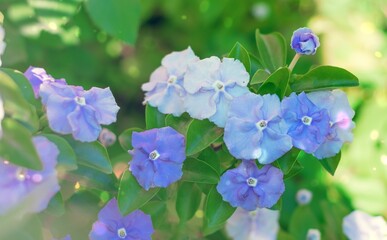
x=304 y=41
x=158 y=156
x=260 y=224
x=165 y=88
x=71 y=109
x=304 y=196
x=30 y=189
x=38 y=76
x=113 y=226
x=359 y=225
x=340 y=120
x=255 y=130
x=211 y=84
x=2 y=43
x=313 y=234
x=250 y=188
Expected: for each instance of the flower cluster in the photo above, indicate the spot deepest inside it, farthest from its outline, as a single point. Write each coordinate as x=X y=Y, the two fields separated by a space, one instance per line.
x=71 y=109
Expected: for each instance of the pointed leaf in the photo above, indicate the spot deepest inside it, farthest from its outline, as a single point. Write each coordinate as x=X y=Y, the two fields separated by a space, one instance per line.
x=330 y=164
x=240 y=53
x=125 y=138
x=276 y=83
x=153 y=118
x=259 y=76
x=67 y=157
x=201 y=133
x=180 y=124
x=188 y=200
x=198 y=171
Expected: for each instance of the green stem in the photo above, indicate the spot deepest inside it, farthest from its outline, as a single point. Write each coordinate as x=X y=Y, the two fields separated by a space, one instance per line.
x=294 y=61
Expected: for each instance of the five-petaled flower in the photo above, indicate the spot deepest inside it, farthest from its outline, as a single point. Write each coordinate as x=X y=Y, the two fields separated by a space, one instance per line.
x=250 y=188
x=158 y=156
x=38 y=76
x=113 y=226
x=304 y=41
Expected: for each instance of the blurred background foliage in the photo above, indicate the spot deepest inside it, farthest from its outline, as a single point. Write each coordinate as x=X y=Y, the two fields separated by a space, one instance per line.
x=69 y=40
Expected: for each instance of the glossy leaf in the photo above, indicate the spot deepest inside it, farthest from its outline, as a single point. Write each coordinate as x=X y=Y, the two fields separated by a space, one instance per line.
x=259 y=77
x=276 y=83
x=90 y=177
x=216 y=212
x=119 y=18
x=272 y=50
x=323 y=78
x=153 y=118
x=158 y=212
x=255 y=64
x=240 y=53
x=125 y=138
x=131 y=195
x=56 y=205
x=330 y=164
x=198 y=171
x=16 y=145
x=200 y=134
x=188 y=200
x=67 y=157
x=180 y=124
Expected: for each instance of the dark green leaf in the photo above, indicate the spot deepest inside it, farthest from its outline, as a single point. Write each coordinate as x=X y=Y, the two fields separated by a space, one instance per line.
x=302 y=220
x=119 y=18
x=93 y=178
x=286 y=162
x=158 y=212
x=153 y=118
x=188 y=200
x=66 y=157
x=272 y=50
x=259 y=77
x=211 y=157
x=16 y=145
x=180 y=124
x=324 y=77
x=296 y=169
x=125 y=138
x=276 y=83
x=56 y=206
x=330 y=164
x=216 y=212
x=198 y=171
x=200 y=134
x=131 y=195
x=240 y=53
x=255 y=64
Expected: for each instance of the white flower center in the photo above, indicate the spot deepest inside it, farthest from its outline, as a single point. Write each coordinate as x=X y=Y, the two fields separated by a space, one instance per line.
x=218 y=85
x=172 y=79
x=121 y=233
x=252 y=182
x=306 y=120
x=80 y=100
x=154 y=155
x=261 y=125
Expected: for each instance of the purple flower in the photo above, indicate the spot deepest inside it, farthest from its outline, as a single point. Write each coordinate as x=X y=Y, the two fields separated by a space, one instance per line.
x=250 y=188
x=113 y=226
x=30 y=189
x=38 y=76
x=165 y=88
x=304 y=41
x=1 y=115
x=261 y=223
x=71 y=109
x=256 y=130
x=211 y=85
x=308 y=124
x=340 y=119
x=359 y=225
x=158 y=157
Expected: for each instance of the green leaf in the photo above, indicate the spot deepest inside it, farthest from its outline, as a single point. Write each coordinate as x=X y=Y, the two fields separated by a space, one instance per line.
x=302 y=220
x=330 y=164
x=158 y=212
x=180 y=124
x=200 y=134
x=259 y=77
x=276 y=83
x=198 y=171
x=188 y=200
x=153 y=118
x=67 y=157
x=287 y=161
x=216 y=212
x=296 y=169
x=92 y=154
x=131 y=195
x=240 y=53
x=255 y=64
x=324 y=77
x=119 y=18
x=16 y=145
x=56 y=206
x=125 y=138
x=272 y=50
x=92 y=178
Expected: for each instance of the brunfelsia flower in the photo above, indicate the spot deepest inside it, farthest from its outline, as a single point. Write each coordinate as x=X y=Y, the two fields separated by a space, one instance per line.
x=211 y=85
x=2 y=43
x=260 y=224
x=256 y=130
x=165 y=88
x=359 y=225
x=308 y=124
x=304 y=41
x=250 y=188
x=158 y=156
x=340 y=119
x=38 y=76
x=1 y=115
x=113 y=226
x=313 y=234
x=26 y=188
x=70 y=109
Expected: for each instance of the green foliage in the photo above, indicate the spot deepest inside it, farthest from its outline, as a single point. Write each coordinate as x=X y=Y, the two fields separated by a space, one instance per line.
x=125 y=138
x=180 y=124
x=240 y=53
x=198 y=171
x=330 y=164
x=153 y=118
x=67 y=157
x=200 y=134
x=276 y=83
x=188 y=200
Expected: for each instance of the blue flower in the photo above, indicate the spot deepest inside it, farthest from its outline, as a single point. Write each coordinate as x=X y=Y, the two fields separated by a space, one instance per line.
x=308 y=124
x=113 y=226
x=158 y=156
x=304 y=41
x=359 y=225
x=37 y=186
x=249 y=187
x=340 y=119
x=71 y=109
x=255 y=130
x=165 y=88
x=38 y=76
x=211 y=85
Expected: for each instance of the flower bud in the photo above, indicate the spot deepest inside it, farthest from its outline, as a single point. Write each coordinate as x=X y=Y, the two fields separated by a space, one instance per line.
x=304 y=41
